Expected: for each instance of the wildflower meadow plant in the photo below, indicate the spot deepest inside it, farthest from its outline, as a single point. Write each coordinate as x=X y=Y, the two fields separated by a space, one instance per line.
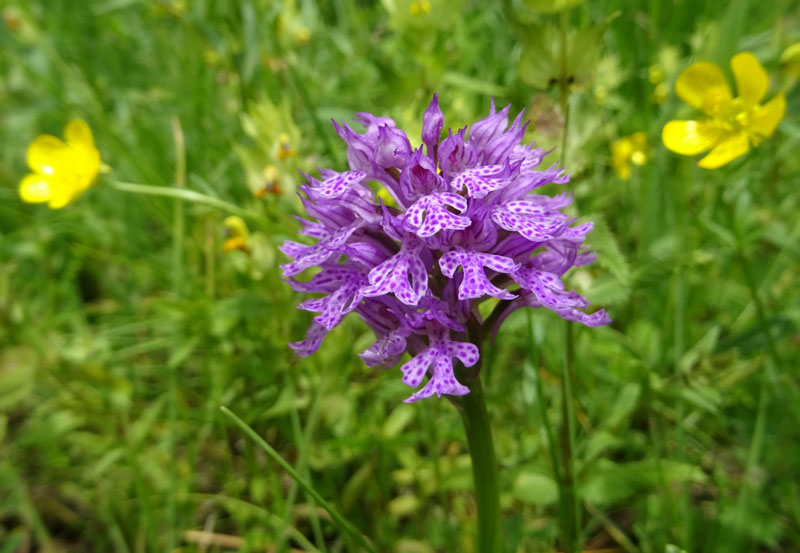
x=733 y=124
x=467 y=228
x=62 y=170
x=467 y=225
x=236 y=234
x=629 y=150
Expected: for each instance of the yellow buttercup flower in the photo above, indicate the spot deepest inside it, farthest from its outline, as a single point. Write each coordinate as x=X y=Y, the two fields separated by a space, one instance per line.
x=627 y=150
x=61 y=170
x=732 y=123
x=236 y=231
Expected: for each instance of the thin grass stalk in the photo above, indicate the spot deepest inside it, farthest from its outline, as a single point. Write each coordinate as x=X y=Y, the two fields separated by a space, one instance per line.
x=178 y=232
x=570 y=507
x=345 y=525
x=183 y=194
x=210 y=259
x=555 y=459
x=302 y=439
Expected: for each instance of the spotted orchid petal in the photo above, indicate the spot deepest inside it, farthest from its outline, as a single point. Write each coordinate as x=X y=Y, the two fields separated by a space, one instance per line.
x=430 y=214
x=439 y=356
x=403 y=275
x=535 y=222
x=480 y=181
x=474 y=283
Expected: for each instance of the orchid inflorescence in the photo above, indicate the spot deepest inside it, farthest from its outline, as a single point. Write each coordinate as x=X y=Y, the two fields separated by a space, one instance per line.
x=465 y=227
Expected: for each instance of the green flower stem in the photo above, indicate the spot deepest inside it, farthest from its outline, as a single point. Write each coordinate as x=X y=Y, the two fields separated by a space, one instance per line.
x=568 y=493
x=484 y=468
x=182 y=194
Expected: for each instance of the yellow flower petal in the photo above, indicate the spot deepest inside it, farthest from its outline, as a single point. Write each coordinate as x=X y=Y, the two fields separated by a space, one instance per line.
x=84 y=157
x=767 y=117
x=62 y=170
x=690 y=137
x=46 y=154
x=34 y=188
x=38 y=188
x=727 y=150
x=235 y=227
x=235 y=243
x=78 y=134
x=61 y=193
x=703 y=86
x=621 y=151
x=751 y=79
x=639 y=143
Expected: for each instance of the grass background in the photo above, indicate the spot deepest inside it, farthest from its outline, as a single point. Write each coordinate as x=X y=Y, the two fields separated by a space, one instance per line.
x=123 y=326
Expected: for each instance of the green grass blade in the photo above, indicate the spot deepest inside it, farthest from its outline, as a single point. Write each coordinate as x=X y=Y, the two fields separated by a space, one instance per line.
x=338 y=519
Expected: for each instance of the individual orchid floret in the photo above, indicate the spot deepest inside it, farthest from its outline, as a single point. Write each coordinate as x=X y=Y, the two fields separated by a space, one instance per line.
x=393 y=149
x=466 y=223
x=439 y=356
x=432 y=125
x=403 y=275
x=432 y=213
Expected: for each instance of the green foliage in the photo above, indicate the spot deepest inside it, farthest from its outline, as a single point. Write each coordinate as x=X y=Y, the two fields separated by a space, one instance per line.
x=112 y=369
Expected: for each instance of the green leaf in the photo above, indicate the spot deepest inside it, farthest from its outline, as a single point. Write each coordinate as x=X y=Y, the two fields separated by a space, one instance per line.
x=344 y=524
x=626 y=402
x=610 y=255
x=286 y=401
x=598 y=443
x=183 y=351
x=540 y=61
x=13 y=542
x=141 y=428
x=404 y=505
x=397 y=421
x=535 y=488
x=17 y=371
x=551 y=6
x=607 y=483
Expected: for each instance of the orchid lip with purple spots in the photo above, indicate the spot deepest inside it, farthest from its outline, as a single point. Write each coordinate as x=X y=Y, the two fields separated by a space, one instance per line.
x=464 y=225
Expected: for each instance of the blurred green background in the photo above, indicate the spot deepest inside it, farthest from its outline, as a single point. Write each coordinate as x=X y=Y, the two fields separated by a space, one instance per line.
x=124 y=326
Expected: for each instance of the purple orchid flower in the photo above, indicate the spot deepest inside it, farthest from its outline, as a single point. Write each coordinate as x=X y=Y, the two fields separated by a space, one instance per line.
x=464 y=227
